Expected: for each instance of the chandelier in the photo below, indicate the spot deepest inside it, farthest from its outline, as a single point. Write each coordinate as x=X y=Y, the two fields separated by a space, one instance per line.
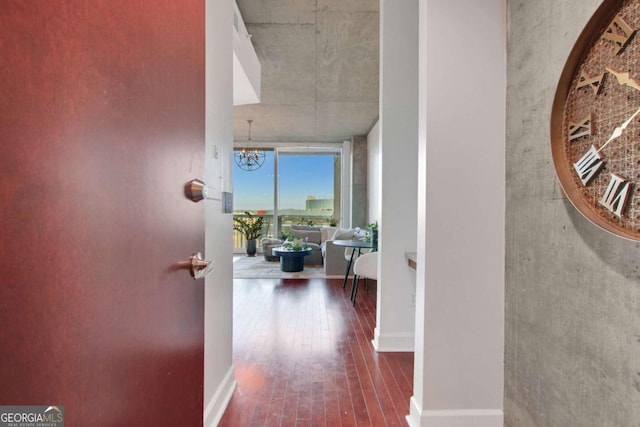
x=248 y=158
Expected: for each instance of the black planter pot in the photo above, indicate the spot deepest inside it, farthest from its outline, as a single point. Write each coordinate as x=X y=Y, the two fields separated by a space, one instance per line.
x=251 y=247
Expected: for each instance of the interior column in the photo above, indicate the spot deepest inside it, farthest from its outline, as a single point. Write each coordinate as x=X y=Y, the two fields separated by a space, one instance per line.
x=458 y=372
x=398 y=184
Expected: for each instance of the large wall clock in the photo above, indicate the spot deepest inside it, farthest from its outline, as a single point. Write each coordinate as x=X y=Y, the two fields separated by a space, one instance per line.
x=595 y=120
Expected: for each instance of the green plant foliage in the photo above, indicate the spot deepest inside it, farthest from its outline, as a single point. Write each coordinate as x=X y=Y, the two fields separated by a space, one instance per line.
x=305 y=221
x=295 y=245
x=287 y=236
x=372 y=228
x=250 y=227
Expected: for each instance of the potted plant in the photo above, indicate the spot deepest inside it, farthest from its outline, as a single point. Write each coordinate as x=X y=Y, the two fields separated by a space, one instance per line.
x=286 y=236
x=251 y=228
x=295 y=244
x=372 y=234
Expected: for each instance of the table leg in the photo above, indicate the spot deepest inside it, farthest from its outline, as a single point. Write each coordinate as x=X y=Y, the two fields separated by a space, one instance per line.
x=346 y=273
x=354 y=289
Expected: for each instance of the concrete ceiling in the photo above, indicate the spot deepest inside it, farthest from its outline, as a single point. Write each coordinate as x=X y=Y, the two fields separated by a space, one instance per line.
x=319 y=69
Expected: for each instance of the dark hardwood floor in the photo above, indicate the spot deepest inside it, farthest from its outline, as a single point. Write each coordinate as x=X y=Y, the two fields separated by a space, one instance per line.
x=303 y=357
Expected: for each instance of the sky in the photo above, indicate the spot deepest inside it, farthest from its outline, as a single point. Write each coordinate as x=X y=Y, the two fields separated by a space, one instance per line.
x=300 y=176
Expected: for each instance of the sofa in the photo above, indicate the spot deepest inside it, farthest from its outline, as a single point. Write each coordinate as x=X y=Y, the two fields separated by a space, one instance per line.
x=320 y=240
x=335 y=262
x=268 y=243
x=313 y=237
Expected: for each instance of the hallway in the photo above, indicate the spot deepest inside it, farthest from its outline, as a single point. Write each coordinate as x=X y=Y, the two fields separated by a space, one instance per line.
x=303 y=357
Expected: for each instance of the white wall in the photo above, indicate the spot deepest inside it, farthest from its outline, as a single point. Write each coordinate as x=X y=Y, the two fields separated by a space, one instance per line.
x=458 y=377
x=218 y=370
x=398 y=174
x=373 y=173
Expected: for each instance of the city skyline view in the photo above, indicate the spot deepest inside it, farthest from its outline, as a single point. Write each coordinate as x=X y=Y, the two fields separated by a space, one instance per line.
x=300 y=176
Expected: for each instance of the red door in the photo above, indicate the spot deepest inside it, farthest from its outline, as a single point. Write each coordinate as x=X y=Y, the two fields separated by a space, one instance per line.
x=101 y=125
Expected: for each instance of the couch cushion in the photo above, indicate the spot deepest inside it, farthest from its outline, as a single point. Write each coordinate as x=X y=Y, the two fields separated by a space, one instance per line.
x=343 y=234
x=312 y=236
x=267 y=240
x=326 y=233
x=359 y=233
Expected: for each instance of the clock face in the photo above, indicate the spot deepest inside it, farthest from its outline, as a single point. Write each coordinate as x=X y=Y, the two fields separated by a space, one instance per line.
x=595 y=129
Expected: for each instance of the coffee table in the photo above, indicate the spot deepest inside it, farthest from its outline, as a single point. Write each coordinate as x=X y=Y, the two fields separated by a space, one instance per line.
x=290 y=260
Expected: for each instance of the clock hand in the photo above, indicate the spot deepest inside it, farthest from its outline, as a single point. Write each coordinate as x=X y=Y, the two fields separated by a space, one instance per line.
x=624 y=79
x=618 y=131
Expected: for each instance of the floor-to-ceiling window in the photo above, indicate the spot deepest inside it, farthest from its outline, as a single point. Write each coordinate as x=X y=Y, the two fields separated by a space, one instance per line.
x=295 y=185
x=254 y=192
x=308 y=187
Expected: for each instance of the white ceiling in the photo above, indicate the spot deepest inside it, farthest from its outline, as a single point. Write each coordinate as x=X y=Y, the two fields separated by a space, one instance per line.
x=319 y=69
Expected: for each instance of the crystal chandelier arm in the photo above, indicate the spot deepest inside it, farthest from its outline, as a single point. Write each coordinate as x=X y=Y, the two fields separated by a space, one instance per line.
x=247 y=158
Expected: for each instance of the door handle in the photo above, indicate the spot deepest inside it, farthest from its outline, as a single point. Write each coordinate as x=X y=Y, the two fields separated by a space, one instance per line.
x=199 y=267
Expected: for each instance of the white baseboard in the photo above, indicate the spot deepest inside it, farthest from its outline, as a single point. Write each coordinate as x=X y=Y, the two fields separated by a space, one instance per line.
x=393 y=342
x=454 y=417
x=214 y=409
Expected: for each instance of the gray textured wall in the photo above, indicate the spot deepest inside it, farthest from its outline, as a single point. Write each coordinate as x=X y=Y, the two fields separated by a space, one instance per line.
x=572 y=290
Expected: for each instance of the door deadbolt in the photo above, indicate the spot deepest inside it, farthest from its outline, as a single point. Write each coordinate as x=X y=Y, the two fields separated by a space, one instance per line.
x=195 y=190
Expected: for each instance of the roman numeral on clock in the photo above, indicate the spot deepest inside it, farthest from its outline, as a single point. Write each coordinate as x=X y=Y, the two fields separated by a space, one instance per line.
x=588 y=165
x=583 y=128
x=619 y=32
x=616 y=195
x=593 y=82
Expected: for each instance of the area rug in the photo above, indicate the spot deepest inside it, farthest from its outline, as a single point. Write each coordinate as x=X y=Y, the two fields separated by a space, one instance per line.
x=245 y=267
